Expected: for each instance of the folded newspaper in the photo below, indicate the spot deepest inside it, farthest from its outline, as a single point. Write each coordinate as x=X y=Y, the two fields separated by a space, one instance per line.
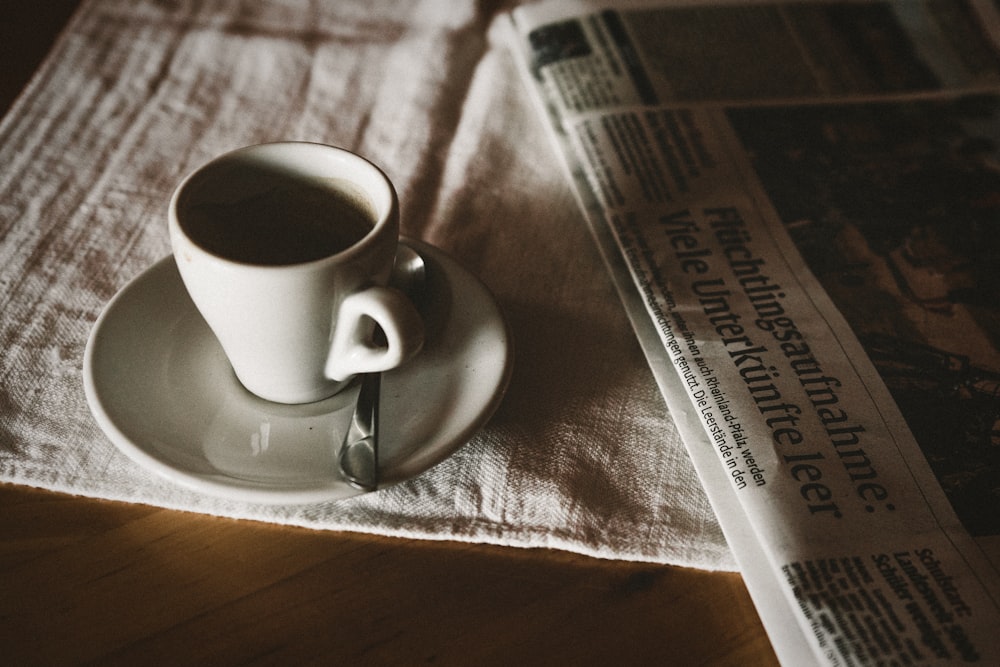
x=800 y=205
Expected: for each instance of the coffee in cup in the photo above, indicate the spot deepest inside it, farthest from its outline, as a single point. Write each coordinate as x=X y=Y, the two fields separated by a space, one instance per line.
x=283 y=220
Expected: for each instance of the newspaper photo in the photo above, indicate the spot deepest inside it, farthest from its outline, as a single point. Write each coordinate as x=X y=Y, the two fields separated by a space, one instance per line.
x=800 y=206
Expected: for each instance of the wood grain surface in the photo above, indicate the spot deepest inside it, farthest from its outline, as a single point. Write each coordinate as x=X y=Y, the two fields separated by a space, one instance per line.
x=89 y=581
x=95 y=581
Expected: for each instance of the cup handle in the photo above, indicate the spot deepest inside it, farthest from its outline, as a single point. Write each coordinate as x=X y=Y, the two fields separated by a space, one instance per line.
x=353 y=352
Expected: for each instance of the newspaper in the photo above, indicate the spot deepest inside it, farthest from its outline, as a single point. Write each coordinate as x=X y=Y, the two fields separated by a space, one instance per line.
x=800 y=206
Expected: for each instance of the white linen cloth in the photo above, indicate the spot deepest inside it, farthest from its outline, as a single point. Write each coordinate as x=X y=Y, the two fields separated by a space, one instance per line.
x=582 y=454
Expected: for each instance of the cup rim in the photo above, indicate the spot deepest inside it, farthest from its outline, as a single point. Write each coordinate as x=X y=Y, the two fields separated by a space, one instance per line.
x=377 y=187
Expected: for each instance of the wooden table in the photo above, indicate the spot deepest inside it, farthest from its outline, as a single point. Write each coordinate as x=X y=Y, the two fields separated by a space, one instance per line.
x=86 y=580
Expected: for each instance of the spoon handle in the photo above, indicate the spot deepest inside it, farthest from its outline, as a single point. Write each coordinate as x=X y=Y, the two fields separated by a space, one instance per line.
x=358 y=456
x=359 y=453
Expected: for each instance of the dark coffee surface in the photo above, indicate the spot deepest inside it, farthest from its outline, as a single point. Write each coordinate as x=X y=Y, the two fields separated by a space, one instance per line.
x=286 y=222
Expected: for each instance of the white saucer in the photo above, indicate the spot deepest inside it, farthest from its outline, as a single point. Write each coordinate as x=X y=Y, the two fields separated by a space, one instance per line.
x=162 y=390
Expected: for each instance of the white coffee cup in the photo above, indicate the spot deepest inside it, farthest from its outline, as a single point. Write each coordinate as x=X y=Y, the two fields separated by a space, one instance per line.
x=286 y=250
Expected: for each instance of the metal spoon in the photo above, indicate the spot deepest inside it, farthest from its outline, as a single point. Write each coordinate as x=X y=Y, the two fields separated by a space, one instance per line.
x=359 y=452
